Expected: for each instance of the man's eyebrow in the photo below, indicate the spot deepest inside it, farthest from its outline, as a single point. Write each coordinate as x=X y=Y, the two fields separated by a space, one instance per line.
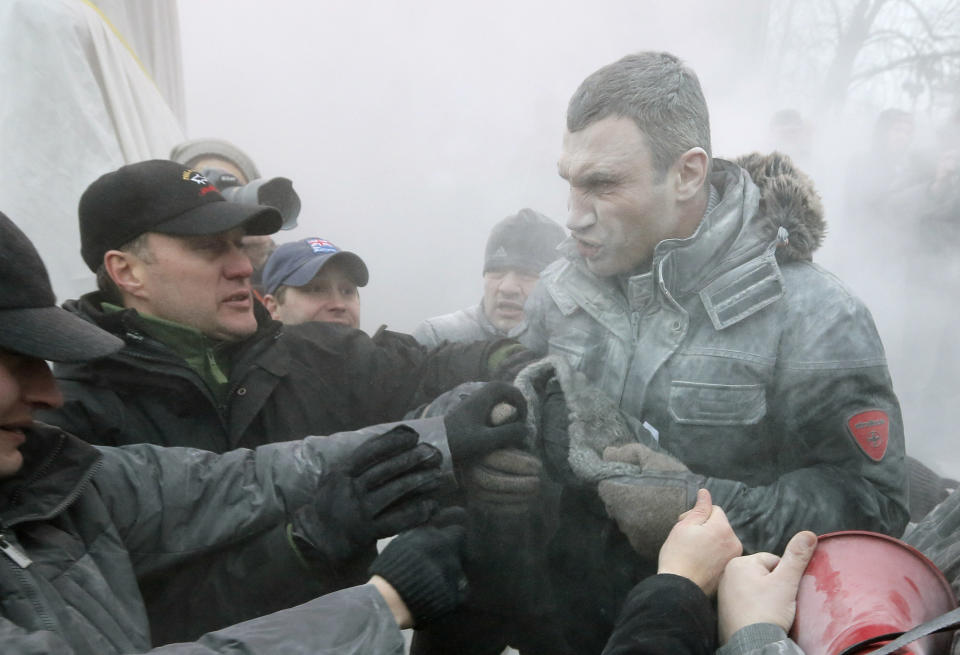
x=595 y=177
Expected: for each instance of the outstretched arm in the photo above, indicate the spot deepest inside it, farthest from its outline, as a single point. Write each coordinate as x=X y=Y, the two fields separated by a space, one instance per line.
x=670 y=613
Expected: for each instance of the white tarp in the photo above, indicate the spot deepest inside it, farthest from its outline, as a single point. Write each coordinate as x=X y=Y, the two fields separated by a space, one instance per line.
x=85 y=87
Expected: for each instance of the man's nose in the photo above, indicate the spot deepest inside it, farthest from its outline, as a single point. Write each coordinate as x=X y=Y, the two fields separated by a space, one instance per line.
x=39 y=387
x=510 y=284
x=238 y=264
x=580 y=213
x=338 y=301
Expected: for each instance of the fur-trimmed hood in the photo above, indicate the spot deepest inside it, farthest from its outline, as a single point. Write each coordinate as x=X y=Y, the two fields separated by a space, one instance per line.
x=766 y=208
x=788 y=199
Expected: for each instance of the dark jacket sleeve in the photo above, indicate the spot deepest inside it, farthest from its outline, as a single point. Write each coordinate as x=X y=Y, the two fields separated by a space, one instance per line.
x=256 y=577
x=234 y=561
x=229 y=498
x=354 y=621
x=937 y=536
x=383 y=377
x=664 y=615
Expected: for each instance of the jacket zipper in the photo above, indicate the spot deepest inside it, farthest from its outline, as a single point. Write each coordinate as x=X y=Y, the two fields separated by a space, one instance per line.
x=15 y=554
x=25 y=581
x=22 y=561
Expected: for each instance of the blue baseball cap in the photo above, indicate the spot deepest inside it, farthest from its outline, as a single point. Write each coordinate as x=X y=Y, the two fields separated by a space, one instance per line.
x=295 y=264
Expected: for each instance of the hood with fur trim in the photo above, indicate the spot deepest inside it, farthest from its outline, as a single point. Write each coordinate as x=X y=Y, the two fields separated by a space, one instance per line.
x=788 y=199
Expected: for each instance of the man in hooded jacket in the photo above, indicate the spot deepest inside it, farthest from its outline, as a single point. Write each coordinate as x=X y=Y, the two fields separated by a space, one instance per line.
x=687 y=295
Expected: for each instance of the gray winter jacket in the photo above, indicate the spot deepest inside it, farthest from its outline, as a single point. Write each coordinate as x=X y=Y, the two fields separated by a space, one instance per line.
x=92 y=521
x=760 y=639
x=754 y=366
x=463 y=326
x=937 y=536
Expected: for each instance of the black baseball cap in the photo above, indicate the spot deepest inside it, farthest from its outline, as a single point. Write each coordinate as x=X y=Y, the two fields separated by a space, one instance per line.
x=30 y=322
x=294 y=264
x=160 y=196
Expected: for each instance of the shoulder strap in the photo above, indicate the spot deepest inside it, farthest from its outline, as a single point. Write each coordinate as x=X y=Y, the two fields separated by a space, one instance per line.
x=942 y=623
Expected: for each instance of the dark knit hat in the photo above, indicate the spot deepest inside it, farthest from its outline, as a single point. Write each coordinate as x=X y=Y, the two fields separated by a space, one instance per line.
x=30 y=322
x=526 y=241
x=160 y=196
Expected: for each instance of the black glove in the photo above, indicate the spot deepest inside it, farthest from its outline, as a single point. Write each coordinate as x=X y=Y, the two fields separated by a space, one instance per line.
x=384 y=489
x=425 y=566
x=554 y=435
x=509 y=359
x=471 y=432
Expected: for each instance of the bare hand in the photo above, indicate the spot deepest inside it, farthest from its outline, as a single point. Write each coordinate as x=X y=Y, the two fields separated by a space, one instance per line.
x=700 y=545
x=762 y=588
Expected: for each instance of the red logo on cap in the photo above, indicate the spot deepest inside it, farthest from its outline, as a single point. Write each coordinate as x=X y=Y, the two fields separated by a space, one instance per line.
x=871 y=431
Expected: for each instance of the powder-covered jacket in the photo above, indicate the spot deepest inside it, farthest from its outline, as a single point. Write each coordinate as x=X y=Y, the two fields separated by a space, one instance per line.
x=93 y=521
x=463 y=326
x=751 y=364
x=760 y=639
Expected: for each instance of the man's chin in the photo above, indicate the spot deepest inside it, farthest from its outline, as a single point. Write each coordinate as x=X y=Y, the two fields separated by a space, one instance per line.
x=237 y=332
x=506 y=324
x=10 y=463
x=602 y=268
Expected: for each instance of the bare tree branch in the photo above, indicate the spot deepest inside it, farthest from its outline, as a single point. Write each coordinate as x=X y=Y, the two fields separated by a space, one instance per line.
x=879 y=37
x=903 y=61
x=922 y=17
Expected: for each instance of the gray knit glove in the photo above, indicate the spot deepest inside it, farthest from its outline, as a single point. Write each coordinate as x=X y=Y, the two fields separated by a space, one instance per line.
x=646 y=505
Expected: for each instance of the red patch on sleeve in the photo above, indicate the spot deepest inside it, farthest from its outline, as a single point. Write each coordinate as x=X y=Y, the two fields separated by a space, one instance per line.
x=871 y=431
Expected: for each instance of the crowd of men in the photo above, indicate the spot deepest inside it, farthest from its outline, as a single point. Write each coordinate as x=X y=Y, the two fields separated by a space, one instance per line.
x=576 y=464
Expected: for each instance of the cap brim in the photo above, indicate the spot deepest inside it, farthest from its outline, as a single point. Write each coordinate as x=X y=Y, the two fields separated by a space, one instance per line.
x=351 y=262
x=220 y=216
x=55 y=334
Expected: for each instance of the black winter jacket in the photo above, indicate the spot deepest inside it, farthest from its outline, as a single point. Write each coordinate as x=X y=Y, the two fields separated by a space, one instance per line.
x=665 y=615
x=286 y=382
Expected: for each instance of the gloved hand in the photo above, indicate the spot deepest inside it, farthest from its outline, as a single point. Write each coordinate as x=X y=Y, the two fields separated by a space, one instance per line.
x=509 y=359
x=554 y=437
x=471 y=430
x=383 y=489
x=425 y=566
x=646 y=506
x=505 y=481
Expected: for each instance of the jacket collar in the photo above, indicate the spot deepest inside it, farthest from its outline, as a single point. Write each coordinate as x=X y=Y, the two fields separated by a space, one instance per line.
x=724 y=239
x=682 y=265
x=57 y=468
x=729 y=260
x=128 y=323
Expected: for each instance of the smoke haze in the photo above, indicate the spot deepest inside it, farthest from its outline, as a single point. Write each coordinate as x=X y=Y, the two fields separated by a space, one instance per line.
x=410 y=128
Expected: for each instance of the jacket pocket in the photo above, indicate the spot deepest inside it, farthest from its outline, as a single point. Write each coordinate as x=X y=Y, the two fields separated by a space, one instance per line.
x=703 y=403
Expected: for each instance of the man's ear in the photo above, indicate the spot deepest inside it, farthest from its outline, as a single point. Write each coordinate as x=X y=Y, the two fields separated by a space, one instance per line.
x=125 y=269
x=272 y=306
x=691 y=173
